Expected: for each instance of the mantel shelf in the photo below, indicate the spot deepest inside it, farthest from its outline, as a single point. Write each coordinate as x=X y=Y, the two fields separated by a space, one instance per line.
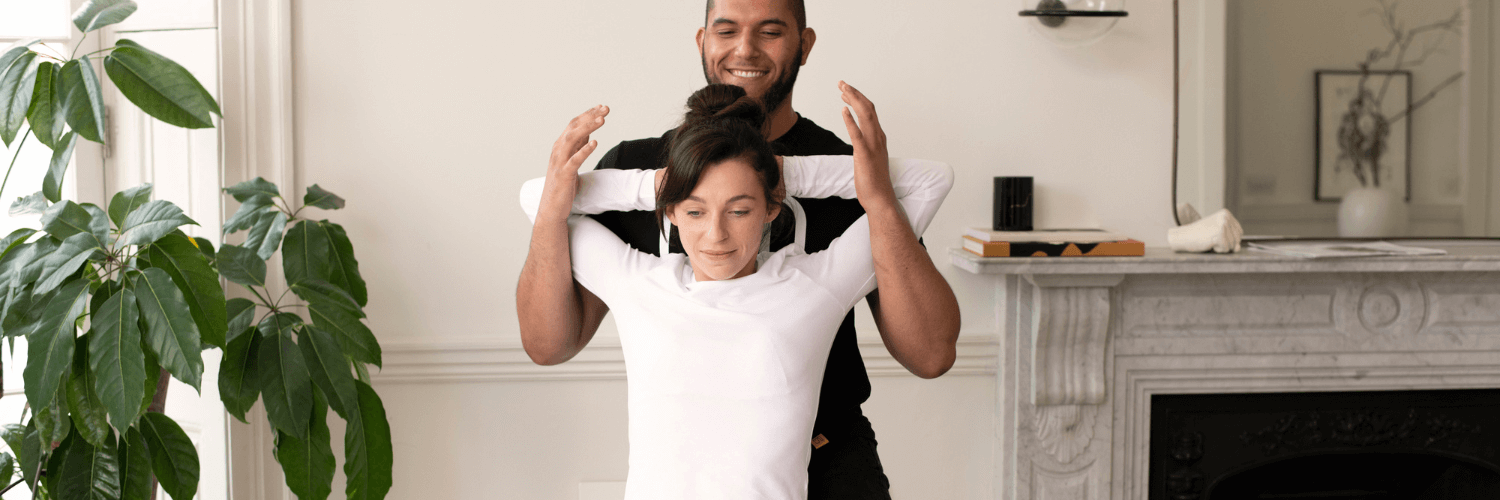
x=1461 y=257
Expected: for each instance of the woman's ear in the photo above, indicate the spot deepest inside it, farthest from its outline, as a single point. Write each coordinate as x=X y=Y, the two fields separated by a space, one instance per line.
x=773 y=212
x=672 y=215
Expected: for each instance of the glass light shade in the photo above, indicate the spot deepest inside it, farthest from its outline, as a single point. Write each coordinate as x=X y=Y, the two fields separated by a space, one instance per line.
x=1072 y=23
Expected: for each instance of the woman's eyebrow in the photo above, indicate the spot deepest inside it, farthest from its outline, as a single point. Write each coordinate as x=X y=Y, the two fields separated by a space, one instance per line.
x=750 y=197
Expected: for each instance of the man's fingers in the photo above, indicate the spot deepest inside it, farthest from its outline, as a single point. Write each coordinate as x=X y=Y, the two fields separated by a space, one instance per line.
x=578 y=130
x=862 y=106
x=583 y=153
x=855 y=135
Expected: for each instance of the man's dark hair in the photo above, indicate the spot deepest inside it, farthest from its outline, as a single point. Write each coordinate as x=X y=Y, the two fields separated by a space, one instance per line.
x=799 y=11
x=722 y=123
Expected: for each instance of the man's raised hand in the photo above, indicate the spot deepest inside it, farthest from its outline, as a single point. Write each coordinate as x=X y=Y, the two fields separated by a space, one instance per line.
x=567 y=157
x=872 y=178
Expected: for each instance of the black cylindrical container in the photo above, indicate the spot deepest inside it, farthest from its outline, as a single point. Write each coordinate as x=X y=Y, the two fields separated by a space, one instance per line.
x=1013 y=204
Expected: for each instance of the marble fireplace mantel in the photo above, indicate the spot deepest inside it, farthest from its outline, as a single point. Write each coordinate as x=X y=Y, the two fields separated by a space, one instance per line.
x=1088 y=341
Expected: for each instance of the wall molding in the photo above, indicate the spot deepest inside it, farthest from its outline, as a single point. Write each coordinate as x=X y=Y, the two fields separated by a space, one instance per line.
x=454 y=361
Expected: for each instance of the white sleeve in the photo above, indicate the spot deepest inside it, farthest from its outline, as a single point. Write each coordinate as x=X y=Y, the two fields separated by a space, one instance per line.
x=920 y=185
x=847 y=266
x=599 y=191
x=601 y=262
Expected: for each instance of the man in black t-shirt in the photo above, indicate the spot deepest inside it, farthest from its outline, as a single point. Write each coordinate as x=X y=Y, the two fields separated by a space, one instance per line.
x=760 y=45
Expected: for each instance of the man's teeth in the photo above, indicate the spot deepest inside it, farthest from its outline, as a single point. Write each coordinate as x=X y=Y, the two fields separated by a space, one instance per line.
x=746 y=74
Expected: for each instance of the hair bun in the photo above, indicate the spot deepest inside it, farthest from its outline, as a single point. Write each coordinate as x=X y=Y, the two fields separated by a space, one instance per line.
x=721 y=101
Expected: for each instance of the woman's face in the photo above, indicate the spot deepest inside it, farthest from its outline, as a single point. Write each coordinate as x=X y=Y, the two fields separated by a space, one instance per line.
x=721 y=222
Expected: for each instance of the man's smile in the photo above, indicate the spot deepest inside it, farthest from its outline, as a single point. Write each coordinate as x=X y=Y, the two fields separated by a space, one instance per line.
x=745 y=73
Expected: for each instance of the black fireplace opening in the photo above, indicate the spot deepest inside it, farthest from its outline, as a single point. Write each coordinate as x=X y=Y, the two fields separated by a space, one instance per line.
x=1384 y=445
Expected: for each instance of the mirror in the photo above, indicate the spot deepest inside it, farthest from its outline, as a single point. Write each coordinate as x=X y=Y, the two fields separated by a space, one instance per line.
x=1352 y=118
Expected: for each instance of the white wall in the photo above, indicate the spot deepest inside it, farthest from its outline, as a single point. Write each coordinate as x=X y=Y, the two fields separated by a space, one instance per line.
x=428 y=116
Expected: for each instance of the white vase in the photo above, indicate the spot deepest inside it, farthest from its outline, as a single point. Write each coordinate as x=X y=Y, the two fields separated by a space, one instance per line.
x=1368 y=212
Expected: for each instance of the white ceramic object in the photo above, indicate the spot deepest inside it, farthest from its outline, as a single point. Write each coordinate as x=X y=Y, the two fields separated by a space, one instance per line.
x=1220 y=232
x=1367 y=212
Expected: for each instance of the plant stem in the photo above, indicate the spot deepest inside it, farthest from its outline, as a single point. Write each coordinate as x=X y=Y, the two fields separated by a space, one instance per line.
x=79 y=46
x=13 y=159
x=106 y=49
x=263 y=300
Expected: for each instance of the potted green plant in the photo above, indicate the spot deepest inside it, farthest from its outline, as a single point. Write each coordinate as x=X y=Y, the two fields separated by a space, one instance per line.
x=114 y=300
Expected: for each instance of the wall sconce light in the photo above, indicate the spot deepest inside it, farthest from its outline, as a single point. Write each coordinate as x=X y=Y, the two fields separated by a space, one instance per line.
x=1073 y=22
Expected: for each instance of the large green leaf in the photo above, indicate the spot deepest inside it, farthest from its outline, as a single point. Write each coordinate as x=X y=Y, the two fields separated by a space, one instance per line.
x=62 y=263
x=29 y=261
x=14 y=239
x=321 y=198
x=265 y=236
x=34 y=203
x=308 y=463
x=173 y=457
x=356 y=339
x=47 y=114
x=325 y=295
x=89 y=416
x=50 y=346
x=66 y=219
x=57 y=169
x=135 y=466
x=17 y=82
x=52 y=422
x=116 y=357
x=31 y=452
x=7 y=468
x=252 y=188
x=241 y=312
x=250 y=211
x=176 y=254
x=305 y=252
x=8 y=60
x=98 y=223
x=81 y=98
x=160 y=87
x=239 y=379
x=86 y=471
x=24 y=313
x=127 y=201
x=152 y=221
x=170 y=331
x=153 y=379
x=330 y=370
x=284 y=379
x=95 y=14
x=242 y=266
x=345 y=268
x=205 y=247
x=368 y=456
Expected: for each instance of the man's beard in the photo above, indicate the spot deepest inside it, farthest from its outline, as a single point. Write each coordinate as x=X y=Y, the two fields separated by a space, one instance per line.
x=777 y=93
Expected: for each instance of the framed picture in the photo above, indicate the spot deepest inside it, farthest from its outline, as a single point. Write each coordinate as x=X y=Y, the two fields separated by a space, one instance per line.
x=1361 y=135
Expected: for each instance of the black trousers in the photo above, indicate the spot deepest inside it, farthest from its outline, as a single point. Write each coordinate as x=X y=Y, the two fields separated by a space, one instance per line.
x=848 y=467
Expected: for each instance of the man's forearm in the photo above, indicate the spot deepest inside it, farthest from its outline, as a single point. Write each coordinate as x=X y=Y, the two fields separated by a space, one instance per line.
x=546 y=302
x=914 y=307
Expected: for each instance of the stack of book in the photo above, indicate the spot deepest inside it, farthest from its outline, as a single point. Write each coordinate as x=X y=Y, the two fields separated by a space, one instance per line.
x=1050 y=243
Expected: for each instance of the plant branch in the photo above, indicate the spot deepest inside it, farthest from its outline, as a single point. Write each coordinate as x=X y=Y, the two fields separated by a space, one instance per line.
x=24 y=136
x=106 y=49
x=79 y=46
x=1430 y=94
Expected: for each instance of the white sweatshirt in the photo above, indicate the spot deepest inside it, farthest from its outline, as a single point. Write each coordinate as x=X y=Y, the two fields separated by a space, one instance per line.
x=723 y=376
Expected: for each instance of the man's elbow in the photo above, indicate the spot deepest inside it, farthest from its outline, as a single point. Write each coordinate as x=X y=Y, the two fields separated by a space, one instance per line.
x=545 y=353
x=934 y=366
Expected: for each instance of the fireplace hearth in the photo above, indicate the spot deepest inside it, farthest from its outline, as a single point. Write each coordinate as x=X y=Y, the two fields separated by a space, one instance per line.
x=1380 y=445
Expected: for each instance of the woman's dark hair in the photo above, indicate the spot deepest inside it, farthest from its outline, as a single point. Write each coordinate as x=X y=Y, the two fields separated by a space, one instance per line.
x=722 y=123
